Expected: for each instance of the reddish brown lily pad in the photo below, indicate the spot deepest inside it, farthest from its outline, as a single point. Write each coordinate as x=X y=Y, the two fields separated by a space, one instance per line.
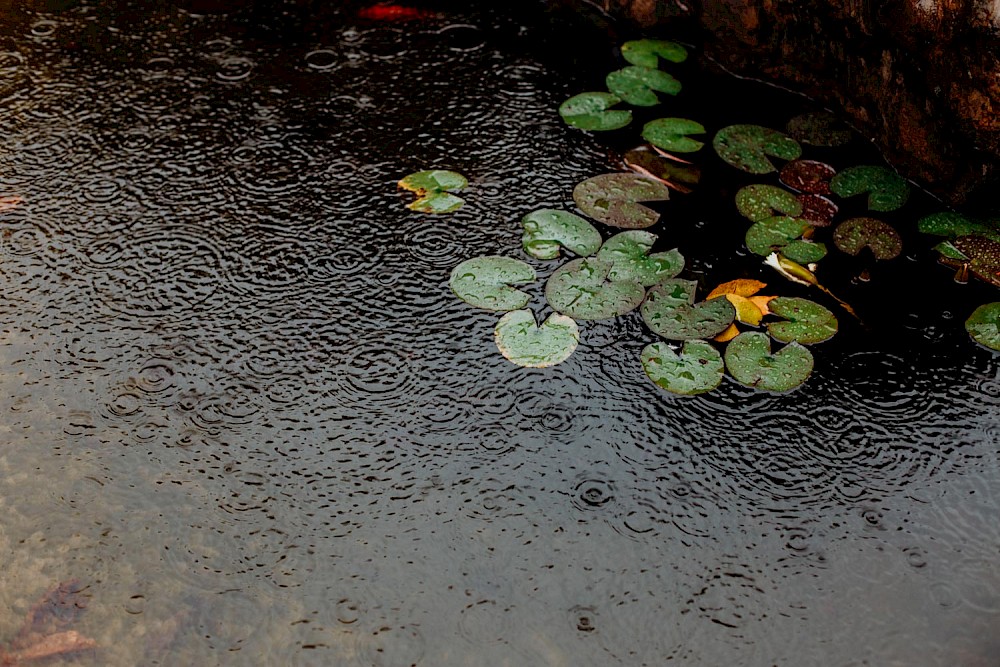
x=983 y=257
x=856 y=234
x=808 y=176
x=818 y=211
x=616 y=199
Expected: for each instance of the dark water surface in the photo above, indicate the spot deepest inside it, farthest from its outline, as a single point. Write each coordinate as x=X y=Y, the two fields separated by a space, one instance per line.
x=243 y=408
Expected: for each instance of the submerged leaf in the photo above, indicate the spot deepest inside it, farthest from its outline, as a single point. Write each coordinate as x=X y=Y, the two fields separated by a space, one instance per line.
x=697 y=369
x=546 y=229
x=521 y=341
x=592 y=111
x=853 y=235
x=629 y=254
x=583 y=290
x=807 y=322
x=433 y=188
x=952 y=225
x=887 y=189
x=817 y=211
x=670 y=311
x=644 y=52
x=808 y=176
x=636 y=85
x=984 y=325
x=747 y=147
x=484 y=282
x=750 y=362
x=670 y=134
x=614 y=199
x=650 y=163
x=758 y=202
x=819 y=129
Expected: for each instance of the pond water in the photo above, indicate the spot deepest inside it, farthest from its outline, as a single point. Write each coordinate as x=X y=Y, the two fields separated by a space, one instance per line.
x=243 y=409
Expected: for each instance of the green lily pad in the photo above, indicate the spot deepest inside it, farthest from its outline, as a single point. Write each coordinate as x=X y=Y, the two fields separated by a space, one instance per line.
x=952 y=225
x=886 y=189
x=437 y=202
x=629 y=255
x=697 y=369
x=983 y=257
x=819 y=129
x=750 y=362
x=774 y=233
x=670 y=134
x=807 y=176
x=485 y=282
x=853 y=235
x=614 y=199
x=661 y=167
x=582 y=290
x=758 y=202
x=804 y=252
x=949 y=251
x=807 y=322
x=747 y=147
x=984 y=325
x=636 y=85
x=670 y=311
x=644 y=52
x=592 y=111
x=521 y=341
x=432 y=188
x=547 y=229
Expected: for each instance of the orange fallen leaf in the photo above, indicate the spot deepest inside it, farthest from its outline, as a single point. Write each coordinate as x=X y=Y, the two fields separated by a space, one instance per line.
x=744 y=287
x=761 y=303
x=729 y=334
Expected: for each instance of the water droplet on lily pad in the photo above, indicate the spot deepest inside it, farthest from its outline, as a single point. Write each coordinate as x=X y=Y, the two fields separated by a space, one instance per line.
x=807 y=176
x=485 y=282
x=887 y=190
x=852 y=236
x=523 y=342
x=757 y=202
x=983 y=257
x=952 y=225
x=645 y=52
x=750 y=362
x=592 y=111
x=805 y=321
x=984 y=325
x=583 y=290
x=545 y=230
x=670 y=311
x=433 y=188
x=629 y=254
x=638 y=85
x=671 y=134
x=697 y=369
x=781 y=233
x=748 y=147
x=616 y=199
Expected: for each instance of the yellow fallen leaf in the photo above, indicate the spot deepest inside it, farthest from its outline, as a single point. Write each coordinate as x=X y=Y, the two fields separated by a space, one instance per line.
x=747 y=311
x=761 y=303
x=729 y=334
x=744 y=287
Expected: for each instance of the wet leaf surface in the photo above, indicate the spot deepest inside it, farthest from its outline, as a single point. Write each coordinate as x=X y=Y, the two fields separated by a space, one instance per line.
x=983 y=257
x=804 y=252
x=646 y=52
x=485 y=282
x=521 y=341
x=984 y=325
x=615 y=199
x=781 y=233
x=748 y=147
x=629 y=255
x=582 y=290
x=808 y=176
x=670 y=134
x=818 y=211
x=638 y=85
x=546 y=230
x=856 y=234
x=819 y=129
x=806 y=321
x=433 y=188
x=759 y=201
x=697 y=369
x=592 y=111
x=887 y=190
x=952 y=225
x=670 y=311
x=750 y=362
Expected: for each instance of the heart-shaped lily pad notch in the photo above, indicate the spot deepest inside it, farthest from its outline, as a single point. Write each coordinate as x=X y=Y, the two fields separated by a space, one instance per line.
x=984 y=325
x=644 y=52
x=433 y=188
x=982 y=257
x=629 y=255
x=614 y=199
x=521 y=341
x=638 y=85
x=758 y=202
x=853 y=235
x=887 y=190
x=807 y=176
x=582 y=290
x=670 y=311
x=697 y=369
x=806 y=321
x=545 y=230
x=747 y=147
x=818 y=211
x=592 y=111
x=781 y=233
x=819 y=129
x=671 y=134
x=485 y=282
x=750 y=362
x=952 y=225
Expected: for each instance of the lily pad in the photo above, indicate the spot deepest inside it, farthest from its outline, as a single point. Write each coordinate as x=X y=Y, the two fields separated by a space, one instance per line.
x=747 y=147
x=758 y=202
x=521 y=341
x=545 y=230
x=670 y=134
x=750 y=362
x=819 y=129
x=817 y=211
x=644 y=52
x=781 y=233
x=808 y=176
x=983 y=257
x=670 y=311
x=949 y=251
x=853 y=235
x=636 y=85
x=807 y=322
x=697 y=369
x=614 y=199
x=582 y=290
x=804 y=252
x=984 y=325
x=629 y=255
x=485 y=282
x=952 y=225
x=432 y=188
x=887 y=190
x=647 y=161
x=592 y=111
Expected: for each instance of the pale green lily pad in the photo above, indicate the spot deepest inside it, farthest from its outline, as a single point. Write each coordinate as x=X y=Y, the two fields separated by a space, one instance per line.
x=432 y=188
x=521 y=341
x=437 y=202
x=582 y=290
x=485 y=282
x=697 y=369
x=853 y=235
x=644 y=52
x=806 y=321
x=758 y=202
x=949 y=251
x=670 y=134
x=804 y=252
x=592 y=111
x=781 y=233
x=547 y=229
x=886 y=189
x=670 y=311
x=952 y=225
x=629 y=254
x=614 y=199
x=984 y=325
x=750 y=362
x=636 y=85
x=819 y=129
x=747 y=147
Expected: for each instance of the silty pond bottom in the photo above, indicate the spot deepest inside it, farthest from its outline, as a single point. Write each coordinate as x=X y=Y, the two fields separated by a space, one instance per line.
x=243 y=410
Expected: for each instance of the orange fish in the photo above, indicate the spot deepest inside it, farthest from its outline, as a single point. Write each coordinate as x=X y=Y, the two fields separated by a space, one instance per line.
x=385 y=11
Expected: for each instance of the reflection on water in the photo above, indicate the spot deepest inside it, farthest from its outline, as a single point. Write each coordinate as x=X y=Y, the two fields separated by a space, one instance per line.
x=242 y=407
